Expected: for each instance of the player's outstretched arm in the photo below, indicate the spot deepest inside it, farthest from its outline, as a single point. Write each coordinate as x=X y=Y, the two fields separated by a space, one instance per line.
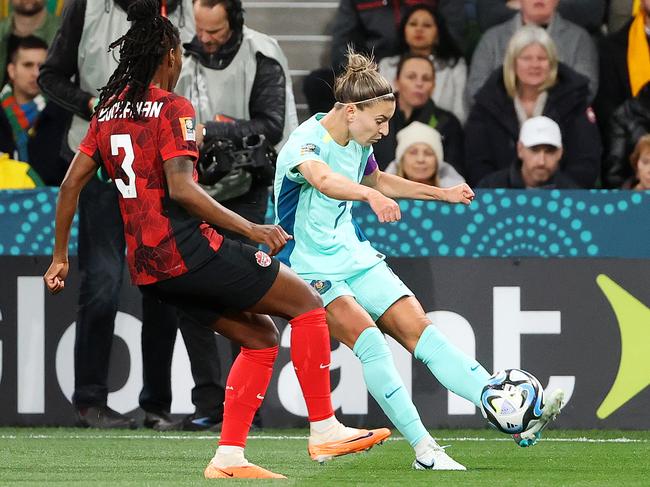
x=186 y=192
x=397 y=187
x=339 y=187
x=82 y=168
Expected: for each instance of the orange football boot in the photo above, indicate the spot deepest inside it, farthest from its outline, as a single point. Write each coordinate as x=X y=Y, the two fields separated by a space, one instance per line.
x=249 y=471
x=363 y=440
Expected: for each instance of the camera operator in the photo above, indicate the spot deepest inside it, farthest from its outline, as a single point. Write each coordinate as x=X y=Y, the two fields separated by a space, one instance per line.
x=238 y=81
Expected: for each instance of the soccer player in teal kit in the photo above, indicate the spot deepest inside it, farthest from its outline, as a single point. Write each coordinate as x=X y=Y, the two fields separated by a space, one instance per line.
x=326 y=164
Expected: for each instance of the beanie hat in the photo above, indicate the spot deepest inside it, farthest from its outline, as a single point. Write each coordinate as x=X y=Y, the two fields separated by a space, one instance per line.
x=418 y=132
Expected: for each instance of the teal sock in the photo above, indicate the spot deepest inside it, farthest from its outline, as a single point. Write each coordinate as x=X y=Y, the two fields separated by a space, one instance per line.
x=386 y=386
x=456 y=371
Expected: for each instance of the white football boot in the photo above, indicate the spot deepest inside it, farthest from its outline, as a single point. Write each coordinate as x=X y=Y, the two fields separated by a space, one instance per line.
x=435 y=458
x=553 y=405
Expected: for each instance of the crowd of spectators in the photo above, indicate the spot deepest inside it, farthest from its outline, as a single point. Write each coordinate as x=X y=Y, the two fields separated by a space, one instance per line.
x=501 y=94
x=463 y=67
x=569 y=60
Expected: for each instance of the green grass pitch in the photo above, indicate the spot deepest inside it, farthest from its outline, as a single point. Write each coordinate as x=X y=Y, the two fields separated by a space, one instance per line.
x=38 y=456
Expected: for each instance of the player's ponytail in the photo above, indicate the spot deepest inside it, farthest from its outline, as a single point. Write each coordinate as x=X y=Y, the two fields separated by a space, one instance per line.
x=141 y=50
x=361 y=84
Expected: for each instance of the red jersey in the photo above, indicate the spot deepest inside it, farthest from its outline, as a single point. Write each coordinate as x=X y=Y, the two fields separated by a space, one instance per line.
x=163 y=240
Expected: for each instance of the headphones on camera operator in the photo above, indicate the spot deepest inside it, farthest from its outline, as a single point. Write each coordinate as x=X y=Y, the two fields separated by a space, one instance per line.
x=228 y=167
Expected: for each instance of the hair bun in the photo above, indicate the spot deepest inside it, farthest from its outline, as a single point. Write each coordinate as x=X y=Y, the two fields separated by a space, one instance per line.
x=358 y=69
x=361 y=83
x=357 y=63
x=143 y=10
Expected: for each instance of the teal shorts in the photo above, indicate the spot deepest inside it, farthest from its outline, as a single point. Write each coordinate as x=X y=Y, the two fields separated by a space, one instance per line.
x=375 y=289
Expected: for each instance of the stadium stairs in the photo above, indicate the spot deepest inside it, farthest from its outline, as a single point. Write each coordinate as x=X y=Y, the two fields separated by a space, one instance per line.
x=302 y=29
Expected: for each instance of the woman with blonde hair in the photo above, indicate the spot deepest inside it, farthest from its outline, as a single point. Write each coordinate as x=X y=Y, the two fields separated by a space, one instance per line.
x=532 y=82
x=325 y=166
x=419 y=157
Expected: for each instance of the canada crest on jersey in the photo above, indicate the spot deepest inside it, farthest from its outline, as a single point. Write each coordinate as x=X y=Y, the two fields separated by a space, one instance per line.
x=262 y=258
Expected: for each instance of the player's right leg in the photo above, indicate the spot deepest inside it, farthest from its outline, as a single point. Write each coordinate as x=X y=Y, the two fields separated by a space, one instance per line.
x=406 y=321
x=353 y=326
x=290 y=297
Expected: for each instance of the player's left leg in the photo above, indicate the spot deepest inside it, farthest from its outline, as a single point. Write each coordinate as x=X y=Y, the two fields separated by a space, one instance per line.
x=406 y=321
x=246 y=387
x=399 y=314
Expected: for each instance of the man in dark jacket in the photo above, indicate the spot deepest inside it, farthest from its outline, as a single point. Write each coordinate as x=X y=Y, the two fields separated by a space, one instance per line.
x=627 y=125
x=492 y=129
x=31 y=130
x=77 y=65
x=539 y=150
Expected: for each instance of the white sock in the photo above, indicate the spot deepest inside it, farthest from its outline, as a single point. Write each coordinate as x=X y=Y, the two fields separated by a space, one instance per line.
x=423 y=447
x=229 y=456
x=329 y=429
x=322 y=426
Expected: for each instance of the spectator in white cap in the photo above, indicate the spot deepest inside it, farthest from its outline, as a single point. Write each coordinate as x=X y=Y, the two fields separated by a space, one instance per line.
x=420 y=157
x=539 y=151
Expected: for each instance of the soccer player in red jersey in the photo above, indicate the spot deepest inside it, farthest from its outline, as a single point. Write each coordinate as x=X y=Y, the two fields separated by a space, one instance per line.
x=144 y=137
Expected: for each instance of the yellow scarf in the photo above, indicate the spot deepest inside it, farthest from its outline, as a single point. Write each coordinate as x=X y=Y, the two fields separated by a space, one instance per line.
x=638 y=53
x=17 y=175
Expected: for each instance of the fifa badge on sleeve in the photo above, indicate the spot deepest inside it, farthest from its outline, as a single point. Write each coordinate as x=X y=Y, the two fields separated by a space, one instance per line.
x=187 y=128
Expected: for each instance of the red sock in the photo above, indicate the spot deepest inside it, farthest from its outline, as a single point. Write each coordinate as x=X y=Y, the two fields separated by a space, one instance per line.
x=310 y=354
x=245 y=389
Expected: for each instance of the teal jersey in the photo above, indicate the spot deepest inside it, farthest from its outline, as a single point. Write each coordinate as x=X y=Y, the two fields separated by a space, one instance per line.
x=326 y=240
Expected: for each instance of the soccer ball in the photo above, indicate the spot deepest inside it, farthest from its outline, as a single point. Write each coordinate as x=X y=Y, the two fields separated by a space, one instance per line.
x=512 y=400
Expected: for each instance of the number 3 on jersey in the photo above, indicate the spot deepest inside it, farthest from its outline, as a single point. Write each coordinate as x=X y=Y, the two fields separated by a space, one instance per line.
x=123 y=141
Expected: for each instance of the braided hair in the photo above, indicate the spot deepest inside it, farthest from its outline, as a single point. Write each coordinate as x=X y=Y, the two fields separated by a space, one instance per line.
x=141 y=50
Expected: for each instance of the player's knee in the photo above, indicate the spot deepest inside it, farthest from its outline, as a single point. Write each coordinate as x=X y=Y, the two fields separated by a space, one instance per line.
x=264 y=334
x=308 y=299
x=269 y=335
x=346 y=322
x=261 y=341
x=274 y=336
x=314 y=300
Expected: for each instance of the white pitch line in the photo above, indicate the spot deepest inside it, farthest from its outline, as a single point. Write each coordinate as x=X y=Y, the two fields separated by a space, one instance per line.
x=281 y=437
